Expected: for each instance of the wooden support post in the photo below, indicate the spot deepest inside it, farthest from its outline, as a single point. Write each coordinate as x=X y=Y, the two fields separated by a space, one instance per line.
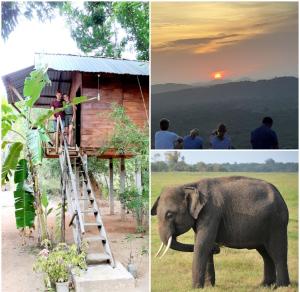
x=122 y=186
x=138 y=175
x=111 y=187
x=138 y=183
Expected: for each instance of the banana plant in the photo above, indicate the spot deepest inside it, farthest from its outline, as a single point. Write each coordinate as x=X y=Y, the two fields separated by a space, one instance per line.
x=26 y=154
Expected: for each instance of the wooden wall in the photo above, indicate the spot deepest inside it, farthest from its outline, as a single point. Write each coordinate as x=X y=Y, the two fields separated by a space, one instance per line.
x=96 y=124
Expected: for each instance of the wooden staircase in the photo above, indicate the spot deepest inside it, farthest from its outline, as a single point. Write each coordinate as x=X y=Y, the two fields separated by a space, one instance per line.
x=83 y=207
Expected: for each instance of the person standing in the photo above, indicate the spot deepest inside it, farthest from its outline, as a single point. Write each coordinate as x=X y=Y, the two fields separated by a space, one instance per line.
x=165 y=139
x=193 y=141
x=264 y=137
x=56 y=104
x=70 y=115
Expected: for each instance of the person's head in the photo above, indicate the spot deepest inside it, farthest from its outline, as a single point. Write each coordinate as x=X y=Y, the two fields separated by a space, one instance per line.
x=178 y=143
x=267 y=121
x=58 y=94
x=164 y=124
x=66 y=97
x=221 y=131
x=194 y=133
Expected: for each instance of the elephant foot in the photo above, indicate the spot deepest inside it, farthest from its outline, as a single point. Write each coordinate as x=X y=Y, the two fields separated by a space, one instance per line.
x=266 y=283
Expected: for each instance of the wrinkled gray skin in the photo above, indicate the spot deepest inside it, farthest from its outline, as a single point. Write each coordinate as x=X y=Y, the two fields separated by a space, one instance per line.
x=237 y=212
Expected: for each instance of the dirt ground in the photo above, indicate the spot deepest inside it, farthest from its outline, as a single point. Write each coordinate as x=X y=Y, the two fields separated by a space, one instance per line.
x=18 y=258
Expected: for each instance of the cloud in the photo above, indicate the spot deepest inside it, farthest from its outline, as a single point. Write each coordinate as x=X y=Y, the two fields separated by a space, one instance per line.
x=199 y=28
x=196 y=44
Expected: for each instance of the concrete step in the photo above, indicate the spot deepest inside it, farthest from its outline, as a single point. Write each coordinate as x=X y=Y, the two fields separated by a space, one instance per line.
x=97 y=258
x=104 y=278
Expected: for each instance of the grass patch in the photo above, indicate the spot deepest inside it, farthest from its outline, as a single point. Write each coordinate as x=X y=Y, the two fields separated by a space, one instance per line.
x=236 y=270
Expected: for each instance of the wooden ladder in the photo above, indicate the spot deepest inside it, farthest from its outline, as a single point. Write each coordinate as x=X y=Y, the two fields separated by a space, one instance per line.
x=88 y=197
x=71 y=189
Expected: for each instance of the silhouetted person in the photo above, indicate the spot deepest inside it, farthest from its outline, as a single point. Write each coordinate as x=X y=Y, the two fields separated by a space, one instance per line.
x=219 y=139
x=264 y=137
x=165 y=139
x=178 y=143
x=193 y=141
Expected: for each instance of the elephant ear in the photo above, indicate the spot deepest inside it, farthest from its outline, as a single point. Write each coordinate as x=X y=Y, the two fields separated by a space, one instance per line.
x=154 y=207
x=195 y=201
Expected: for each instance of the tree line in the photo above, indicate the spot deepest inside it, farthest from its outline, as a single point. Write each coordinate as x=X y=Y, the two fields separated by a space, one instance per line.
x=178 y=163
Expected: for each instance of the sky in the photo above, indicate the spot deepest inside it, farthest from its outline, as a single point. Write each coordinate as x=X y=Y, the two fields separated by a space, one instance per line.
x=32 y=36
x=213 y=156
x=192 y=41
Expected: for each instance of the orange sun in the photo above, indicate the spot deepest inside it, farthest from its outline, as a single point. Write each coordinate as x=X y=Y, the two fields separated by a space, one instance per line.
x=218 y=75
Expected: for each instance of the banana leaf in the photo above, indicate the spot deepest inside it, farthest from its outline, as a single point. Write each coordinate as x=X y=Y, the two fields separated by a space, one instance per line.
x=34 y=143
x=34 y=84
x=11 y=161
x=24 y=206
x=21 y=173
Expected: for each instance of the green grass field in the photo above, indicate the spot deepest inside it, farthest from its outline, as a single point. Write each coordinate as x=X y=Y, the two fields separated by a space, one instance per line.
x=236 y=270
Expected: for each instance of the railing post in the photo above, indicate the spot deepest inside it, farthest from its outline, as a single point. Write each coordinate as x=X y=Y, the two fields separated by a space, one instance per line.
x=111 y=187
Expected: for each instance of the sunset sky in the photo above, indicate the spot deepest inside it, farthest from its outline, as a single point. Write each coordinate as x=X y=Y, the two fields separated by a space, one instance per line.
x=196 y=42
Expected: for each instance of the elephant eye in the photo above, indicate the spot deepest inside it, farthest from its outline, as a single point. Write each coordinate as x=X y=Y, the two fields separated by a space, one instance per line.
x=169 y=215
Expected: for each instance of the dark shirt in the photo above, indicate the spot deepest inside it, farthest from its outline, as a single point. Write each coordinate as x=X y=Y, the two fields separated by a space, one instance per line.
x=192 y=143
x=264 y=138
x=58 y=104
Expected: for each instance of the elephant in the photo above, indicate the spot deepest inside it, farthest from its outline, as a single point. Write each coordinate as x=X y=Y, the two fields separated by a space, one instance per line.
x=236 y=212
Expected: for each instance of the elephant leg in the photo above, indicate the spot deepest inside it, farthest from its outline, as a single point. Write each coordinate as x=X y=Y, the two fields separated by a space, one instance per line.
x=205 y=238
x=210 y=277
x=269 y=268
x=277 y=249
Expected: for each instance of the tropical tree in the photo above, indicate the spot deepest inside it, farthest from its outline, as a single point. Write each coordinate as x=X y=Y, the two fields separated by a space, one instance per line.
x=96 y=27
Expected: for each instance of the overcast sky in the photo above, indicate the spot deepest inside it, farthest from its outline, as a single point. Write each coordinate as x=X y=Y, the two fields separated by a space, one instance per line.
x=190 y=41
x=213 y=156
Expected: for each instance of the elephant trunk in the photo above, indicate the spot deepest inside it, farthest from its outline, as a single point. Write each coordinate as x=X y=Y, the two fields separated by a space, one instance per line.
x=181 y=246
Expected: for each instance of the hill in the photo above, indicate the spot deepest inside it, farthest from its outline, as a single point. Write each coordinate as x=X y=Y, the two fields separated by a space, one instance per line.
x=240 y=105
x=167 y=87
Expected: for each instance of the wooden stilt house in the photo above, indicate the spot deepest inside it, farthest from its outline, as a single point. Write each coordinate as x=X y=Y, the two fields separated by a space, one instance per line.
x=104 y=81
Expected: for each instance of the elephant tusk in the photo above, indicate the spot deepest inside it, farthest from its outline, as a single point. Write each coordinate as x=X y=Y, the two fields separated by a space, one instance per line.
x=161 y=246
x=168 y=246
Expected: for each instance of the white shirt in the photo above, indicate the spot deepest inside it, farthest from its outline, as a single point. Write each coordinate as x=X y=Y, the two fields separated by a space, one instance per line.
x=165 y=140
x=217 y=143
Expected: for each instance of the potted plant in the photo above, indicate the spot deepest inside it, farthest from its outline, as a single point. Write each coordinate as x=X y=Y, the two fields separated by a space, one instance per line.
x=56 y=265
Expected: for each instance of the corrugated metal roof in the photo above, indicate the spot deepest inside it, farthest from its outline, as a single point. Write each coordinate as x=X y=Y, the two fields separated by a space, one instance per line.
x=61 y=68
x=92 y=64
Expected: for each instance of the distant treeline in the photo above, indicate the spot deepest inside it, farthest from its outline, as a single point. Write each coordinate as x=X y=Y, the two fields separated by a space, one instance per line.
x=268 y=166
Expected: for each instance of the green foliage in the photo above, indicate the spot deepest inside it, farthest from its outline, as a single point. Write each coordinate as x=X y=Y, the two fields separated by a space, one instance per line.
x=127 y=137
x=95 y=28
x=21 y=173
x=24 y=206
x=8 y=118
x=134 y=18
x=34 y=143
x=57 y=263
x=136 y=202
x=11 y=161
x=34 y=84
